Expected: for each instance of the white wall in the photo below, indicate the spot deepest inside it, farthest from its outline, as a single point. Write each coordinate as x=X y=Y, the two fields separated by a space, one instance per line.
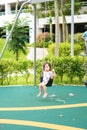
x=77 y=19
x=9 y=1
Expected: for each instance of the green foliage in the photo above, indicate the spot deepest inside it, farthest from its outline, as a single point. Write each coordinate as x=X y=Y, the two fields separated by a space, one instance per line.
x=75 y=68
x=39 y=68
x=47 y=9
x=78 y=39
x=67 y=6
x=77 y=49
x=64 y=49
x=10 y=70
x=5 y=69
x=28 y=8
x=2 y=41
x=51 y=49
x=9 y=54
x=68 y=69
x=19 y=37
x=45 y=6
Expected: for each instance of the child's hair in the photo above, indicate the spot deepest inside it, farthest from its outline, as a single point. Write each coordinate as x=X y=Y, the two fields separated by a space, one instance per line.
x=47 y=64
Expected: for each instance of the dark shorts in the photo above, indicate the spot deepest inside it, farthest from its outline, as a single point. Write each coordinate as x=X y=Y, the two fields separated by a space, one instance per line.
x=49 y=84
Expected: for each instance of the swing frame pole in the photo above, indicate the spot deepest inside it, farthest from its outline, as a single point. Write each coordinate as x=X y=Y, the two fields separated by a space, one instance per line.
x=72 y=28
x=34 y=44
x=32 y=2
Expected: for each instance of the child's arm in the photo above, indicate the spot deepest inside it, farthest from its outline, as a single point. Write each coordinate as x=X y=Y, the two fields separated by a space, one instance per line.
x=54 y=74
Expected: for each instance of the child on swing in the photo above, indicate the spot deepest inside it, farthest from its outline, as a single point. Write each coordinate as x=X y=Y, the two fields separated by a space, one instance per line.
x=47 y=75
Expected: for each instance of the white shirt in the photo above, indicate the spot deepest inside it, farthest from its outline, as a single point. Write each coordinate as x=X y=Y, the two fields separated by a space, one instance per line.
x=47 y=76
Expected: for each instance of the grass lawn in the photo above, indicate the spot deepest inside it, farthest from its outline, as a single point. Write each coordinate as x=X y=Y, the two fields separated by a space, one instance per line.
x=9 y=54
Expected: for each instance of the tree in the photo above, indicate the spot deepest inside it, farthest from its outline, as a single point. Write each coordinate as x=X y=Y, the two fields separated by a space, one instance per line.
x=53 y=9
x=66 y=10
x=19 y=37
x=45 y=10
x=64 y=6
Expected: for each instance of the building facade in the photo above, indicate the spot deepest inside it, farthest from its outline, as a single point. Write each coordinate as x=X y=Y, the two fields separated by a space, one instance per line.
x=7 y=13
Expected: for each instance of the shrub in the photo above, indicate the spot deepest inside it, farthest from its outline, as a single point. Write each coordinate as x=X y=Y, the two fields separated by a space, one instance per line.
x=69 y=67
x=8 y=68
x=77 y=49
x=51 y=49
x=64 y=49
x=78 y=40
x=43 y=39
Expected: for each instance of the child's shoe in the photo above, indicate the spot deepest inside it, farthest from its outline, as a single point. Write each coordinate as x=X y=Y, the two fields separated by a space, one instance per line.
x=45 y=95
x=39 y=95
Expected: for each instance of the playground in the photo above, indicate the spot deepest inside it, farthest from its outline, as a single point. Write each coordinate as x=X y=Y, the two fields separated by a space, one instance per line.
x=64 y=108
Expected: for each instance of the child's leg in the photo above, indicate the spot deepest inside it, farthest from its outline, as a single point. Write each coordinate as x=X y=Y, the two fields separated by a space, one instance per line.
x=45 y=91
x=40 y=90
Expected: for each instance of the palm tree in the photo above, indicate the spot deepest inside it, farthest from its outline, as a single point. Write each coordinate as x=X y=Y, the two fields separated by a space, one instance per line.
x=19 y=37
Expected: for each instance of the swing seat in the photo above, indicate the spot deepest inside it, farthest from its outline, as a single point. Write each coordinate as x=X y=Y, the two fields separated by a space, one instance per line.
x=50 y=82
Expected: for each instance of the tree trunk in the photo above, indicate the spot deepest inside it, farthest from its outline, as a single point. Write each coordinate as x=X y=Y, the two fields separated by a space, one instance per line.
x=63 y=28
x=66 y=29
x=64 y=24
x=51 y=34
x=57 y=40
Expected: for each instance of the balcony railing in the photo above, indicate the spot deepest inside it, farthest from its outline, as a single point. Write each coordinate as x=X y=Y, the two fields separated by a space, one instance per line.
x=2 y=13
x=13 y=12
x=23 y=11
x=26 y=10
x=84 y=3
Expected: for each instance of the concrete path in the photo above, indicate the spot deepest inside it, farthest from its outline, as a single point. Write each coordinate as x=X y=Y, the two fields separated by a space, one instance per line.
x=40 y=53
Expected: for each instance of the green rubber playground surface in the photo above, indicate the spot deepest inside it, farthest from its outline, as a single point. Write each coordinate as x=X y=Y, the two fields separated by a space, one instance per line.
x=64 y=108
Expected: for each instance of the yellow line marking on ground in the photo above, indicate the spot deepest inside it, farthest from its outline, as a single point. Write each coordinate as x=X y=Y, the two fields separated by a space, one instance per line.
x=42 y=107
x=37 y=124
